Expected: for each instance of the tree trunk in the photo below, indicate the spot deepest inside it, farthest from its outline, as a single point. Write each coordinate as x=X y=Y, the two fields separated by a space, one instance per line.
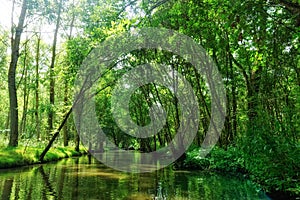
x=37 y=60
x=62 y=125
x=253 y=91
x=234 y=102
x=14 y=133
x=66 y=89
x=66 y=128
x=52 y=78
x=55 y=136
x=77 y=141
x=25 y=92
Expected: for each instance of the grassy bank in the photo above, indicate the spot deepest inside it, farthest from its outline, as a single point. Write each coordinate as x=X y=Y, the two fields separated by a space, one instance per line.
x=21 y=156
x=232 y=161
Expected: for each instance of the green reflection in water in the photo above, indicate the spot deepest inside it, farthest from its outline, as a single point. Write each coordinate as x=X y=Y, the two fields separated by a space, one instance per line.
x=74 y=178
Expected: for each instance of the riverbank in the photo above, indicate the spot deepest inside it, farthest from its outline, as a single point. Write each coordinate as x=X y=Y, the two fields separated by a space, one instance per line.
x=21 y=156
x=231 y=161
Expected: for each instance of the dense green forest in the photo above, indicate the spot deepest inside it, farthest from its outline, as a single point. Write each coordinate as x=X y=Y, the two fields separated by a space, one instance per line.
x=253 y=43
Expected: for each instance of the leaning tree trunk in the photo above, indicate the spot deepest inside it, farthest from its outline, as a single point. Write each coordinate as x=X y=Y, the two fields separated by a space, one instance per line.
x=14 y=133
x=56 y=134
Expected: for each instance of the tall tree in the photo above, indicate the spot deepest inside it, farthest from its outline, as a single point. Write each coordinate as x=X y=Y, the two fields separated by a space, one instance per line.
x=37 y=77
x=67 y=80
x=52 y=65
x=15 y=47
x=26 y=89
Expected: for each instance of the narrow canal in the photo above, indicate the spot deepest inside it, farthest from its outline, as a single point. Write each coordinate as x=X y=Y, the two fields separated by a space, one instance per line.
x=75 y=178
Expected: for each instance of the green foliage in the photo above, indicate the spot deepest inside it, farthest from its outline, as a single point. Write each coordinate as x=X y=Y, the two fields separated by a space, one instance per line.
x=20 y=156
x=274 y=161
x=259 y=165
x=218 y=159
x=254 y=43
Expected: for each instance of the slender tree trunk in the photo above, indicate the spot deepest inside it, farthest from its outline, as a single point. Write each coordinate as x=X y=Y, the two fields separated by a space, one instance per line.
x=77 y=141
x=253 y=91
x=161 y=142
x=202 y=101
x=66 y=128
x=52 y=78
x=14 y=133
x=234 y=101
x=66 y=89
x=25 y=92
x=7 y=120
x=26 y=100
x=37 y=60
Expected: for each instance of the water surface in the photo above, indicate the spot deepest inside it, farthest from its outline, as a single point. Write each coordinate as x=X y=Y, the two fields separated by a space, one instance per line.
x=75 y=178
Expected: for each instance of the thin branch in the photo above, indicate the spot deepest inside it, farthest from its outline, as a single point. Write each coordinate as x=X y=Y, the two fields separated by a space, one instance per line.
x=241 y=68
x=157 y=5
x=126 y=6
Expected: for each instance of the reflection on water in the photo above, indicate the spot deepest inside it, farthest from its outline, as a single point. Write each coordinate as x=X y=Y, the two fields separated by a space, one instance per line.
x=74 y=178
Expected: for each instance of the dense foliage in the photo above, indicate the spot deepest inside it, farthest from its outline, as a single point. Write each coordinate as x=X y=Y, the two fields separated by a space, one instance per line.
x=254 y=43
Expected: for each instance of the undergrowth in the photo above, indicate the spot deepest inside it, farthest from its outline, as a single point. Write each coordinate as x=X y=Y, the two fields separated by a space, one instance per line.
x=270 y=176
x=20 y=156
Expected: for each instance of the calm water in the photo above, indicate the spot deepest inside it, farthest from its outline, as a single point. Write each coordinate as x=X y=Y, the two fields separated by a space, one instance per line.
x=74 y=178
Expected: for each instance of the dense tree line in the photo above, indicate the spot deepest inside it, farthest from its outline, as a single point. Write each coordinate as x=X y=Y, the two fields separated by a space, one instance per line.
x=255 y=45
